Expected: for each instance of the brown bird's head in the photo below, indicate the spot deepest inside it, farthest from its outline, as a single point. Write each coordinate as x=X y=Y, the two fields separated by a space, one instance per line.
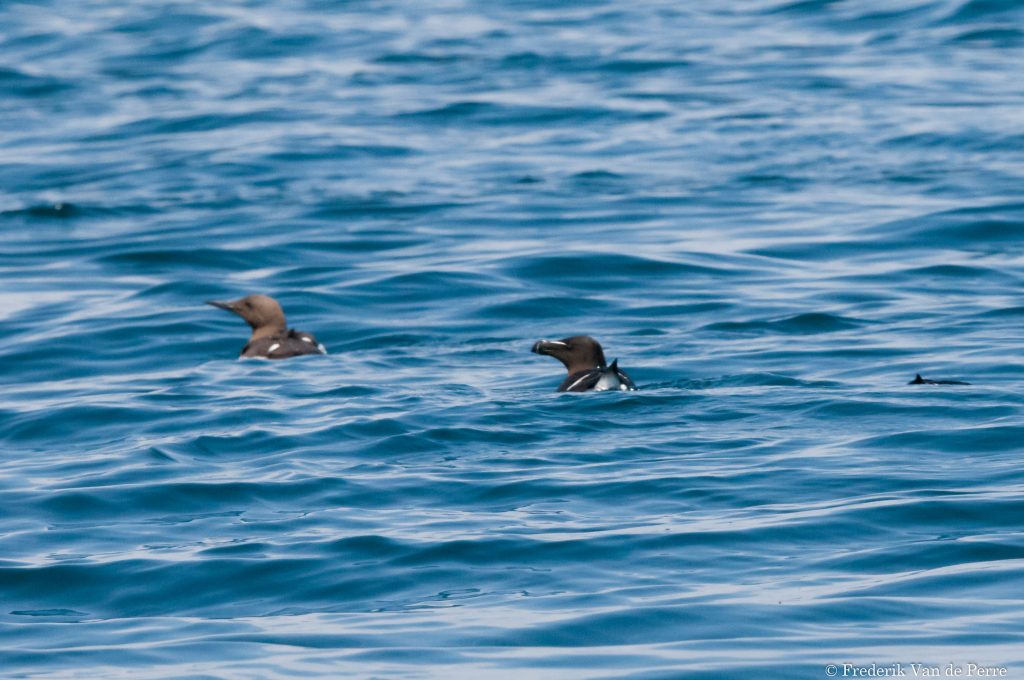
x=578 y=353
x=261 y=312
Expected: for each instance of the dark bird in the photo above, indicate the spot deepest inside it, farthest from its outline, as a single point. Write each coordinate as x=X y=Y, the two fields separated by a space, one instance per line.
x=918 y=380
x=584 y=359
x=271 y=338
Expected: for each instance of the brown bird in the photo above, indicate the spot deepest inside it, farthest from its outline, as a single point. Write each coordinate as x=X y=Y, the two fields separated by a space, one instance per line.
x=584 y=359
x=271 y=338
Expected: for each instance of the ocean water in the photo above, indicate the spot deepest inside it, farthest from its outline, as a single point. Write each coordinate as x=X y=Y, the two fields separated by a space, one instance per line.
x=774 y=213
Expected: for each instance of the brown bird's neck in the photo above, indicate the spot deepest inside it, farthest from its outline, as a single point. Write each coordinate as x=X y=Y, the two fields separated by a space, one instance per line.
x=268 y=331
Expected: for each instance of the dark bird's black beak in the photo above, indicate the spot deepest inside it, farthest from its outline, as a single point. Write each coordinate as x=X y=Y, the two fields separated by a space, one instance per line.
x=545 y=346
x=223 y=305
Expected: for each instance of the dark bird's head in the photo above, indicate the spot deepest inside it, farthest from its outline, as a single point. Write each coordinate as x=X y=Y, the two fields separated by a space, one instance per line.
x=261 y=312
x=578 y=353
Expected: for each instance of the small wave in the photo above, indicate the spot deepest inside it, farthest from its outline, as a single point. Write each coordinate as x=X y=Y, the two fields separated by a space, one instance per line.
x=802 y=7
x=404 y=58
x=543 y=307
x=801 y=324
x=207 y=122
x=1013 y=311
x=428 y=285
x=996 y=438
x=771 y=180
x=973 y=10
x=310 y=151
x=21 y=84
x=991 y=37
x=972 y=227
x=383 y=206
x=751 y=380
x=596 y=268
x=486 y=113
x=597 y=176
x=951 y=270
x=59 y=211
x=631 y=66
x=206 y=258
x=663 y=311
x=579 y=64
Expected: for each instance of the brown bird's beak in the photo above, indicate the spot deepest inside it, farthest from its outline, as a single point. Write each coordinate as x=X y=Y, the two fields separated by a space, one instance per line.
x=230 y=306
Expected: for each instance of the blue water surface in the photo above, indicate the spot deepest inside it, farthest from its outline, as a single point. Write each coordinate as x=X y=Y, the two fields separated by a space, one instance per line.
x=773 y=212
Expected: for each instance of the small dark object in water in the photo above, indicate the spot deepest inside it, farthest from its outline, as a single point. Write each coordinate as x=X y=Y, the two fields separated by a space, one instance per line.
x=925 y=381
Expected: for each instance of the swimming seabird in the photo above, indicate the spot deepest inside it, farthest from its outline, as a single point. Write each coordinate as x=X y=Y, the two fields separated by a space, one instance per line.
x=271 y=338
x=584 y=359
